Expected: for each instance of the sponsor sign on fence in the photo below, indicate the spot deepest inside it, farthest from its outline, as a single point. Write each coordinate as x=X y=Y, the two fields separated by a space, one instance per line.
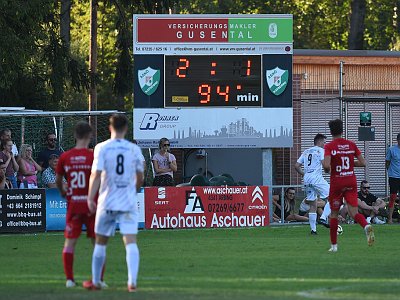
x=206 y=207
x=22 y=210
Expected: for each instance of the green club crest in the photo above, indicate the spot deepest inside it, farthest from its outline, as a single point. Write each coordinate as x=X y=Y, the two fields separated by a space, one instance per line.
x=277 y=80
x=149 y=80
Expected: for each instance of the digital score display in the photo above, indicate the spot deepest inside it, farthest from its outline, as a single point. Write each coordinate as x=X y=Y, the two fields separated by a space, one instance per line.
x=213 y=81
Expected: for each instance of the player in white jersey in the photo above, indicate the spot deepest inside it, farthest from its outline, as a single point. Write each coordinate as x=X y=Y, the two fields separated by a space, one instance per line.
x=117 y=173
x=315 y=184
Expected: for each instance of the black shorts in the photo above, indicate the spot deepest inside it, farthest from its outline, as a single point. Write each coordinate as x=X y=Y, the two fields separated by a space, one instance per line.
x=302 y=213
x=394 y=185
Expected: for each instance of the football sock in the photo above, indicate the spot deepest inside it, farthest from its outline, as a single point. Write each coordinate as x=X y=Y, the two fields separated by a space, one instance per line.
x=312 y=218
x=360 y=219
x=102 y=271
x=326 y=212
x=333 y=230
x=98 y=259
x=132 y=261
x=392 y=200
x=68 y=262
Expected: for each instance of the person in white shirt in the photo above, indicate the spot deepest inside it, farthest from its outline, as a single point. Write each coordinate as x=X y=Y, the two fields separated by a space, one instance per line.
x=315 y=184
x=117 y=173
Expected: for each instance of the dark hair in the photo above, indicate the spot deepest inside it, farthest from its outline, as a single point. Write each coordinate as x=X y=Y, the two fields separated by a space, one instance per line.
x=119 y=122
x=134 y=141
x=318 y=137
x=161 y=142
x=363 y=182
x=50 y=133
x=3 y=131
x=336 y=127
x=82 y=130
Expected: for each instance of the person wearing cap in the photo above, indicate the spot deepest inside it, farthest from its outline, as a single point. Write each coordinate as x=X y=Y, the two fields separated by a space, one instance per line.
x=393 y=169
x=49 y=175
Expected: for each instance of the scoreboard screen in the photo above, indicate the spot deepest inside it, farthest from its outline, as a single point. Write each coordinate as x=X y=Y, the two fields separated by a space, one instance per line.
x=213 y=80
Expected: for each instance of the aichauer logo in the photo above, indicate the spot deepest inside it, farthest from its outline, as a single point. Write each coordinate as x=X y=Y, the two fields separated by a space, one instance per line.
x=193 y=203
x=277 y=80
x=149 y=80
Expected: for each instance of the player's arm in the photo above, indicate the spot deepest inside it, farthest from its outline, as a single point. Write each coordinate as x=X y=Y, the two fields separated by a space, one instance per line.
x=326 y=163
x=94 y=185
x=297 y=167
x=360 y=162
x=60 y=185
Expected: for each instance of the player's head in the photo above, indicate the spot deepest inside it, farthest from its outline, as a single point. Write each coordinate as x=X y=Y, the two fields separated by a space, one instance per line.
x=319 y=139
x=83 y=130
x=336 y=127
x=118 y=123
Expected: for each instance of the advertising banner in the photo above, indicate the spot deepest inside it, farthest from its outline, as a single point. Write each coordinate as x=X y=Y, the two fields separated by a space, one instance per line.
x=57 y=209
x=212 y=34
x=225 y=127
x=22 y=210
x=206 y=207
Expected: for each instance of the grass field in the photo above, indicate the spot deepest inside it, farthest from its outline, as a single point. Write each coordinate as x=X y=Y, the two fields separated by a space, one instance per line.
x=254 y=263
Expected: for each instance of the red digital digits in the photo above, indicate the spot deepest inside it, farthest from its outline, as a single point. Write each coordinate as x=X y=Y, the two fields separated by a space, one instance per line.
x=205 y=90
x=182 y=69
x=225 y=93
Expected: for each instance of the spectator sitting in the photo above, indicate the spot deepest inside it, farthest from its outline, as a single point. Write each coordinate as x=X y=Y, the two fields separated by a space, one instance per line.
x=4 y=182
x=289 y=206
x=28 y=168
x=51 y=148
x=370 y=205
x=49 y=175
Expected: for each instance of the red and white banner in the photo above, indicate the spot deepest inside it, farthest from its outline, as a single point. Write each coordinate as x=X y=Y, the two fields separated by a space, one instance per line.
x=206 y=207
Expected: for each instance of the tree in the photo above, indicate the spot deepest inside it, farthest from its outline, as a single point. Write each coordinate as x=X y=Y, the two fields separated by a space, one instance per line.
x=357 y=24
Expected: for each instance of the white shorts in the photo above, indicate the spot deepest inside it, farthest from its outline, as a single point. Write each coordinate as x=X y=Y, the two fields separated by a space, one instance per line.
x=106 y=221
x=314 y=189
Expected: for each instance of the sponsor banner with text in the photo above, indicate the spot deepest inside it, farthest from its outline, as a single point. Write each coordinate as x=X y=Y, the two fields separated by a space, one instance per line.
x=206 y=207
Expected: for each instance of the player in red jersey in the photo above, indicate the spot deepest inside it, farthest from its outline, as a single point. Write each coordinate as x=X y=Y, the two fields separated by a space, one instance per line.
x=76 y=165
x=339 y=160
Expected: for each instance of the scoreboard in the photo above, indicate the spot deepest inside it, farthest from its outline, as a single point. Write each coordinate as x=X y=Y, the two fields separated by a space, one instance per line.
x=210 y=81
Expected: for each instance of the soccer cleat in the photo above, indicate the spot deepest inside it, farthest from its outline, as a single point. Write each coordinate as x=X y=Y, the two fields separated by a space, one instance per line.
x=368 y=219
x=88 y=284
x=132 y=288
x=324 y=223
x=103 y=285
x=313 y=232
x=70 y=283
x=369 y=232
x=333 y=248
x=378 y=221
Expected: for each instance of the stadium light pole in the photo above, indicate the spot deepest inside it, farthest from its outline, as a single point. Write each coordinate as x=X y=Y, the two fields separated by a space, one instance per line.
x=93 y=65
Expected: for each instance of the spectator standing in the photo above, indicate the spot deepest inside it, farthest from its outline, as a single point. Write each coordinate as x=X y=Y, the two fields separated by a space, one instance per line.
x=28 y=168
x=393 y=169
x=9 y=160
x=49 y=175
x=51 y=148
x=340 y=161
x=117 y=173
x=164 y=165
x=315 y=184
x=370 y=205
x=5 y=135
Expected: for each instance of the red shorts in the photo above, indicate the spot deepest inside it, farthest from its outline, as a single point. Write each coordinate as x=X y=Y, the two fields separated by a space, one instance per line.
x=74 y=222
x=343 y=188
